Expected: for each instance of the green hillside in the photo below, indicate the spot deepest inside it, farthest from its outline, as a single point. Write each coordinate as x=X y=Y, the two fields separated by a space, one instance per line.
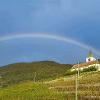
x=17 y=82
x=38 y=71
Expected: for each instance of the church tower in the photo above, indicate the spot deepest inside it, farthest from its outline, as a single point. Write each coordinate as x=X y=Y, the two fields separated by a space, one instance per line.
x=90 y=57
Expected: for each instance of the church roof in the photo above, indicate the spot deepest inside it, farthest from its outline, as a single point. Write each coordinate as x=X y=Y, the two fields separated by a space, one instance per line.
x=90 y=54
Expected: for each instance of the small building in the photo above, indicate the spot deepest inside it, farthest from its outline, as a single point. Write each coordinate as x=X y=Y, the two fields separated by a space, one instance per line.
x=90 y=57
x=90 y=62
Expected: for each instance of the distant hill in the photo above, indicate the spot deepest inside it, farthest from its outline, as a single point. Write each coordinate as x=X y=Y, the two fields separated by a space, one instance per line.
x=38 y=71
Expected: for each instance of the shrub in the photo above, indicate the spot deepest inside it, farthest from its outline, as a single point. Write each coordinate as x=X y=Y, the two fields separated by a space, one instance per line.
x=92 y=68
x=70 y=72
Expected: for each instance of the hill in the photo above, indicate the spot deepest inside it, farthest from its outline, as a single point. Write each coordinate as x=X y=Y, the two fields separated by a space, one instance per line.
x=35 y=71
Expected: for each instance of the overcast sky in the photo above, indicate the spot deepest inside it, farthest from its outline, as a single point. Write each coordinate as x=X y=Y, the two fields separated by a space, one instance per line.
x=77 y=19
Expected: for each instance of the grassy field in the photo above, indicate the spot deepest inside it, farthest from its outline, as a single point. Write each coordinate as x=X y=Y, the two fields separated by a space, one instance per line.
x=62 y=88
x=30 y=91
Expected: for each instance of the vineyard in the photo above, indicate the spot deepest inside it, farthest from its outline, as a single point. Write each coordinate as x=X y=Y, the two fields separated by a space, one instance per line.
x=62 y=88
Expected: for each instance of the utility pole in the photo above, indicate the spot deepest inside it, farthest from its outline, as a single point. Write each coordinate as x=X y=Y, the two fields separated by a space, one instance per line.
x=77 y=82
x=78 y=73
x=76 y=88
x=35 y=77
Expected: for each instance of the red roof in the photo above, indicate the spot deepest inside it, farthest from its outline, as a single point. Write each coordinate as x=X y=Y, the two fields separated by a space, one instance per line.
x=81 y=65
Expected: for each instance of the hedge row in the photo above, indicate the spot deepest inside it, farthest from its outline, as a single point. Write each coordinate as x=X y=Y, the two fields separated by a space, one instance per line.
x=93 y=68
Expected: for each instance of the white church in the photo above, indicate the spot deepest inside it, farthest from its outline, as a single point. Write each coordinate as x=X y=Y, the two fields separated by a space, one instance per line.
x=90 y=61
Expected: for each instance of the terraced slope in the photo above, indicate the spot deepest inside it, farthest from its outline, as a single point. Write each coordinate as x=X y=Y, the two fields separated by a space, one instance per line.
x=88 y=86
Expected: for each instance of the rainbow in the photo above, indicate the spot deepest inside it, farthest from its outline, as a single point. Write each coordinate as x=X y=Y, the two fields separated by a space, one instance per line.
x=53 y=37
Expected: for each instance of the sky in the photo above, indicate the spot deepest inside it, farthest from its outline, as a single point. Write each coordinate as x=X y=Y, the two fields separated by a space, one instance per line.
x=76 y=19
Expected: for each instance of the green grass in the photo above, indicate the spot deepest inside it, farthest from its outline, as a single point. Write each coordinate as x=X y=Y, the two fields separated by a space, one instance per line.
x=30 y=91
